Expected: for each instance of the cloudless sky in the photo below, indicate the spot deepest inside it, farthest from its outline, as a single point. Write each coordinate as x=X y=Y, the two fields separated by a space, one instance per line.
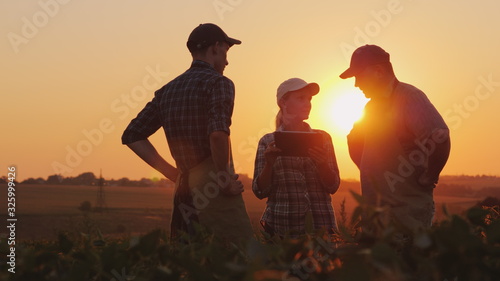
x=74 y=73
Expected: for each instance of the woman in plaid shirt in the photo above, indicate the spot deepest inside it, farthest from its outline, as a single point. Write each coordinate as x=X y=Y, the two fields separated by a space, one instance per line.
x=297 y=188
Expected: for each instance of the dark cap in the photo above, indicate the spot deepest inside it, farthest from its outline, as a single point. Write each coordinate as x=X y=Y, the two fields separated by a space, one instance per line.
x=365 y=56
x=207 y=34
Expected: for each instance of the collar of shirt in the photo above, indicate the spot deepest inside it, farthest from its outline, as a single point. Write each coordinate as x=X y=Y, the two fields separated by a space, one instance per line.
x=307 y=126
x=391 y=86
x=202 y=64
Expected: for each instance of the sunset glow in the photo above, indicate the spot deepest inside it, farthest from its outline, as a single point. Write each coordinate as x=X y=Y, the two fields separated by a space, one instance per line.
x=337 y=108
x=345 y=109
x=72 y=85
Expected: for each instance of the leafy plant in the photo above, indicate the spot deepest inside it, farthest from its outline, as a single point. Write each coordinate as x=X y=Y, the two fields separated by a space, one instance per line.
x=465 y=247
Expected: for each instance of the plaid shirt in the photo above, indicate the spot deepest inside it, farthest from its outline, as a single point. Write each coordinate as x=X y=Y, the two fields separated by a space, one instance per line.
x=189 y=108
x=296 y=190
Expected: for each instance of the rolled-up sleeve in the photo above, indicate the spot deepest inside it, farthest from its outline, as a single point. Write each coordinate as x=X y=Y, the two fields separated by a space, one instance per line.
x=221 y=104
x=144 y=125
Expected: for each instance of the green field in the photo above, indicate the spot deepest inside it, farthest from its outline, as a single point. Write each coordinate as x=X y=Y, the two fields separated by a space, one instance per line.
x=45 y=210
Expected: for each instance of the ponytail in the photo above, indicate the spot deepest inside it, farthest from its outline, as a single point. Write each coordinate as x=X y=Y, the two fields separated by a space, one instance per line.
x=279 y=116
x=279 y=120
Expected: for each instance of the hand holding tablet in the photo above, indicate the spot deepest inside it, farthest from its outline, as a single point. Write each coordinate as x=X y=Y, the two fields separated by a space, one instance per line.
x=296 y=143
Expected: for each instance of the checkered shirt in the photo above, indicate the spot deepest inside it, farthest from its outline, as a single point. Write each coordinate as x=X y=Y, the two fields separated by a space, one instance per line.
x=189 y=108
x=296 y=190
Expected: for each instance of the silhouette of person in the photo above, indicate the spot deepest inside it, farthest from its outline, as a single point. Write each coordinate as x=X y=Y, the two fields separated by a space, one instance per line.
x=195 y=111
x=400 y=145
x=298 y=188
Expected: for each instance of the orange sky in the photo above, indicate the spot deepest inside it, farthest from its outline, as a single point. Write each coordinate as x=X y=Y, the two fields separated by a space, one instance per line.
x=75 y=72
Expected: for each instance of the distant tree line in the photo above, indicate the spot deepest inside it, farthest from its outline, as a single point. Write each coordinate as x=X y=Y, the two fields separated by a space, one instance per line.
x=90 y=179
x=448 y=185
x=460 y=190
x=468 y=177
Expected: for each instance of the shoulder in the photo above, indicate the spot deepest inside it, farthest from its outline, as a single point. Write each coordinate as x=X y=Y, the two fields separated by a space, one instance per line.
x=204 y=72
x=411 y=98
x=322 y=132
x=410 y=93
x=266 y=139
x=219 y=84
x=319 y=131
x=324 y=135
x=224 y=81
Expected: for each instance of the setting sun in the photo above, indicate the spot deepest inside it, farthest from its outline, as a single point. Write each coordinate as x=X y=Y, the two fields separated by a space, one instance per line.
x=59 y=88
x=338 y=108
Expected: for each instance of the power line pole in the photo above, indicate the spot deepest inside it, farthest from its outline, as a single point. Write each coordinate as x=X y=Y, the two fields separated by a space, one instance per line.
x=101 y=197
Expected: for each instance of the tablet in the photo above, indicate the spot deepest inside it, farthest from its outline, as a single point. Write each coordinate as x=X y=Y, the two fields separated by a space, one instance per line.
x=296 y=143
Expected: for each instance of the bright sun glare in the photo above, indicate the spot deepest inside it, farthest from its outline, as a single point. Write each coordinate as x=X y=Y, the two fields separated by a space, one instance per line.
x=338 y=109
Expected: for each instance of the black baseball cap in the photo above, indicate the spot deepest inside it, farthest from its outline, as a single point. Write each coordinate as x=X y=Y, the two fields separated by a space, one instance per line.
x=365 y=56
x=207 y=34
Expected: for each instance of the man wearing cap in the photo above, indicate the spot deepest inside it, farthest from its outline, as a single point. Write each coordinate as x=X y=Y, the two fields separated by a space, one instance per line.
x=400 y=145
x=195 y=111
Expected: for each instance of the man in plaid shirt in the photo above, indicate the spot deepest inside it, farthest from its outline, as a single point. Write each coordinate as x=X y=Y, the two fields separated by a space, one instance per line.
x=195 y=112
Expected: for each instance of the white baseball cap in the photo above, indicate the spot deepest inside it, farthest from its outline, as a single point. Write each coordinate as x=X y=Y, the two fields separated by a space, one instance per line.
x=294 y=84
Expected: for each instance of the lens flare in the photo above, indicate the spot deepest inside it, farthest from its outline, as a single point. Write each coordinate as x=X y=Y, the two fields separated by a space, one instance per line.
x=337 y=109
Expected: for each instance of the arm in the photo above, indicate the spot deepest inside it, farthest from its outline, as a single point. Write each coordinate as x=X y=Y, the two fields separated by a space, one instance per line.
x=136 y=136
x=264 y=162
x=438 y=158
x=220 y=149
x=220 y=110
x=326 y=163
x=431 y=134
x=355 y=143
x=219 y=146
x=147 y=152
x=265 y=178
